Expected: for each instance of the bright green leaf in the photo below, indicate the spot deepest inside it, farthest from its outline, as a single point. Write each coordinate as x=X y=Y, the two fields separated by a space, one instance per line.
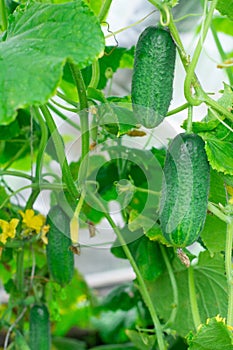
x=127 y=59
x=112 y=325
x=214 y=234
x=142 y=340
x=223 y=25
x=217 y=193
x=225 y=7
x=47 y=35
x=211 y=290
x=95 y=5
x=213 y=335
x=219 y=153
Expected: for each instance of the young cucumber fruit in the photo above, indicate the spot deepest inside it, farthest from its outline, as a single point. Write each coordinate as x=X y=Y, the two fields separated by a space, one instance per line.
x=152 y=81
x=60 y=257
x=185 y=188
x=39 y=328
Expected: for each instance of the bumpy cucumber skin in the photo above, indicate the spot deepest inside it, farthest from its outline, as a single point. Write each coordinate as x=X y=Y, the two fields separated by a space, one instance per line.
x=152 y=81
x=185 y=189
x=39 y=328
x=59 y=256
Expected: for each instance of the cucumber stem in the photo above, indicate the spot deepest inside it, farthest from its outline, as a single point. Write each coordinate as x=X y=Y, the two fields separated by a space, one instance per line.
x=174 y=287
x=221 y=53
x=59 y=146
x=190 y=119
x=3 y=15
x=95 y=75
x=84 y=122
x=191 y=68
x=104 y=10
x=193 y=298
x=178 y=109
x=213 y=209
x=142 y=286
x=39 y=160
x=63 y=116
x=229 y=271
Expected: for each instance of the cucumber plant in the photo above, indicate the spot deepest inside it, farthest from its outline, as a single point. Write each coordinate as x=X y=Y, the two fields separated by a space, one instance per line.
x=175 y=199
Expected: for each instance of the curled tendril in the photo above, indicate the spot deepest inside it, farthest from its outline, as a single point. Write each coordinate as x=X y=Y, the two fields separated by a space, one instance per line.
x=165 y=16
x=114 y=36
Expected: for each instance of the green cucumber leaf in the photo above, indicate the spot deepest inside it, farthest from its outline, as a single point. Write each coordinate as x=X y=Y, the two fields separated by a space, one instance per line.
x=223 y=25
x=108 y=64
x=219 y=153
x=145 y=252
x=225 y=7
x=123 y=297
x=47 y=35
x=142 y=340
x=111 y=325
x=211 y=290
x=217 y=193
x=127 y=59
x=213 y=335
x=202 y=126
x=214 y=234
x=95 y=5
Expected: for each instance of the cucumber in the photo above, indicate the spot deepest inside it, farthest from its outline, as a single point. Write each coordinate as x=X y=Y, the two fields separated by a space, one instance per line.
x=59 y=256
x=39 y=328
x=153 y=73
x=185 y=188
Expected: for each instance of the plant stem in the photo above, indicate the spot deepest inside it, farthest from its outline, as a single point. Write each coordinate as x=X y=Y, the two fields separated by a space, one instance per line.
x=142 y=286
x=39 y=160
x=202 y=96
x=59 y=146
x=84 y=122
x=185 y=60
x=95 y=75
x=104 y=9
x=218 y=213
x=3 y=15
x=20 y=279
x=20 y=272
x=157 y=4
x=67 y=99
x=174 y=287
x=193 y=298
x=221 y=53
x=178 y=109
x=15 y=173
x=63 y=116
x=229 y=271
x=190 y=119
x=197 y=52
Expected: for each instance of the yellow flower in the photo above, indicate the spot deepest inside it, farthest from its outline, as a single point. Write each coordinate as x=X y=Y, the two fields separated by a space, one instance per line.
x=32 y=221
x=8 y=229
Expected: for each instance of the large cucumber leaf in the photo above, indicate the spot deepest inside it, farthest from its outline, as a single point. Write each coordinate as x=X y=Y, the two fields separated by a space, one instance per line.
x=210 y=286
x=38 y=43
x=214 y=335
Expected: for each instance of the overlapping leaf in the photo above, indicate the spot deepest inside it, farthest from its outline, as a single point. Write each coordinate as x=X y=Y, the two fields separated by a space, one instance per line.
x=211 y=291
x=38 y=43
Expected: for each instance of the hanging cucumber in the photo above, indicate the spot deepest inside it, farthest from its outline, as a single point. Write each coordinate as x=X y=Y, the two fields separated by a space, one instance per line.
x=60 y=257
x=153 y=74
x=39 y=328
x=185 y=188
